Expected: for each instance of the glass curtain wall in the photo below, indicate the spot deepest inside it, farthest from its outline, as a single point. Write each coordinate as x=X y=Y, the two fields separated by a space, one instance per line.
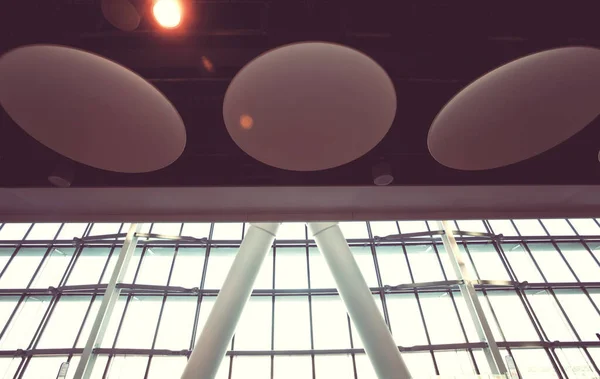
x=538 y=282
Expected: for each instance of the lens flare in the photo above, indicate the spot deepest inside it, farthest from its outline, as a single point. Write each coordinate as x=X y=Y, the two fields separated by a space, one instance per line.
x=246 y=122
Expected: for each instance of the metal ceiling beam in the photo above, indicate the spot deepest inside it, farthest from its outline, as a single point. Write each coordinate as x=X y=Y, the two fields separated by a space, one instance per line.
x=467 y=288
x=111 y=295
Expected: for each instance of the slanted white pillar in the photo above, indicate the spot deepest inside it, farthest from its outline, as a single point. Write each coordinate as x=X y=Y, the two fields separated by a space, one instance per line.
x=212 y=344
x=354 y=291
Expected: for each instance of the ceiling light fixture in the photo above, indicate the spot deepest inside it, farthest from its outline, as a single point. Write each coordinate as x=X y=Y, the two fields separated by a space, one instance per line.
x=300 y=95
x=519 y=110
x=168 y=13
x=382 y=174
x=122 y=14
x=71 y=101
x=63 y=174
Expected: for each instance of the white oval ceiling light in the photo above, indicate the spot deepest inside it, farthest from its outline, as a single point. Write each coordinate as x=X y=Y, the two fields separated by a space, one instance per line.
x=122 y=14
x=519 y=110
x=309 y=106
x=90 y=109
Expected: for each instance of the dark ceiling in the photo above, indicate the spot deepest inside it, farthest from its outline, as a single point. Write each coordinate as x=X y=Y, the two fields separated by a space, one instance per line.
x=431 y=49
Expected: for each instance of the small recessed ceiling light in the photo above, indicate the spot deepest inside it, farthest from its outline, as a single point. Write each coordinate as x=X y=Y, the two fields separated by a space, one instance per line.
x=382 y=174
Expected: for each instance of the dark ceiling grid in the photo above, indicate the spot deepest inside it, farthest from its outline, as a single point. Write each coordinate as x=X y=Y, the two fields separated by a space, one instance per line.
x=431 y=49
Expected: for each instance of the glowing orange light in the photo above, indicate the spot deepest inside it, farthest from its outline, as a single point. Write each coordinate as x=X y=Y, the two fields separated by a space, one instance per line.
x=168 y=13
x=246 y=122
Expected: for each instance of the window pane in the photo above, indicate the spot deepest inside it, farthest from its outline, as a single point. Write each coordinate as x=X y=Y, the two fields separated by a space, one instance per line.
x=155 y=267
x=7 y=306
x=364 y=260
x=43 y=231
x=132 y=268
x=88 y=266
x=293 y=367
x=89 y=322
x=392 y=265
x=264 y=279
x=8 y=367
x=441 y=319
x=292 y=330
x=99 y=229
x=364 y=368
x=99 y=366
x=412 y=226
x=558 y=227
x=196 y=230
x=290 y=268
x=553 y=266
x=140 y=322
x=424 y=263
x=188 y=267
x=521 y=263
x=456 y=362
x=448 y=269
x=530 y=228
x=354 y=230
x=471 y=226
x=166 y=367
x=219 y=263
x=576 y=363
x=581 y=261
x=65 y=322
x=5 y=254
x=254 y=328
x=256 y=367
x=580 y=312
x=167 y=229
x=487 y=262
x=227 y=231
x=585 y=226
x=127 y=367
x=113 y=323
x=465 y=317
x=383 y=228
x=334 y=366
x=330 y=323
x=534 y=364
x=70 y=231
x=405 y=320
x=20 y=270
x=110 y=266
x=24 y=324
x=176 y=323
x=547 y=311
x=53 y=268
x=13 y=232
x=43 y=367
x=320 y=275
x=513 y=319
x=292 y=231
x=205 y=310
x=504 y=227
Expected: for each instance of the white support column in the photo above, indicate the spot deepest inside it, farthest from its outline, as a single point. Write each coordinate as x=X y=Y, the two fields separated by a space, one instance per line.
x=492 y=353
x=212 y=344
x=86 y=364
x=376 y=337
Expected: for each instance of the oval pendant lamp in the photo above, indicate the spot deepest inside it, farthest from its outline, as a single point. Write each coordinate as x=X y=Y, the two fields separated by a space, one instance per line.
x=122 y=14
x=90 y=109
x=519 y=110
x=309 y=106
